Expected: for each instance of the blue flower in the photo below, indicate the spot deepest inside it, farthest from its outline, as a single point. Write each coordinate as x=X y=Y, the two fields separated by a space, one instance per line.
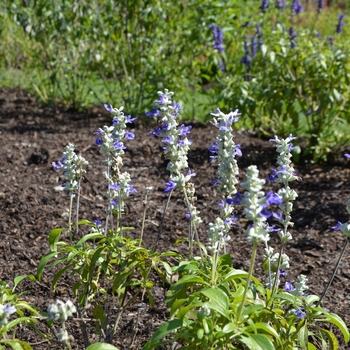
x=300 y=313
x=264 y=5
x=154 y=113
x=184 y=130
x=319 y=5
x=288 y=287
x=218 y=38
x=57 y=165
x=129 y=135
x=340 y=23
x=280 y=4
x=99 y=141
x=114 y=187
x=98 y=223
x=169 y=186
x=130 y=189
x=129 y=120
x=214 y=148
x=273 y=198
x=118 y=145
x=347 y=155
x=337 y=227
x=292 y=36
x=109 y=108
x=297 y=7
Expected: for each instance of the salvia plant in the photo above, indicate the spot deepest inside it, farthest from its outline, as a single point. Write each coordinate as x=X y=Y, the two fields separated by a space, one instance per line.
x=211 y=304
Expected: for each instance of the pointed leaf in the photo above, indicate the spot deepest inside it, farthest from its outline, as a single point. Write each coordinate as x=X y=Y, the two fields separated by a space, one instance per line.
x=43 y=262
x=263 y=341
x=161 y=332
x=88 y=237
x=54 y=237
x=337 y=321
x=332 y=339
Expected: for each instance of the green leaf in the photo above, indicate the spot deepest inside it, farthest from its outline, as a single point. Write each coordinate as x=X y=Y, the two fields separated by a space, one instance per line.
x=88 y=237
x=337 y=321
x=101 y=346
x=268 y=329
x=332 y=339
x=191 y=279
x=161 y=332
x=303 y=336
x=263 y=341
x=43 y=262
x=285 y=296
x=18 y=279
x=54 y=237
x=218 y=301
x=19 y=320
x=16 y=344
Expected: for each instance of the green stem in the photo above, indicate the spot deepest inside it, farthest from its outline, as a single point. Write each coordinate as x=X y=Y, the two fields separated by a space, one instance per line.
x=334 y=271
x=250 y=273
x=143 y=218
x=70 y=217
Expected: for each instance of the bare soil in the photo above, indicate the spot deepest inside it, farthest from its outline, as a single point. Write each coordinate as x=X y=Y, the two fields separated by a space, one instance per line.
x=32 y=137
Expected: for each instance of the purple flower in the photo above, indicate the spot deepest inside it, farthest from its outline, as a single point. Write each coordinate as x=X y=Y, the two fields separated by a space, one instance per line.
x=340 y=23
x=214 y=181
x=237 y=199
x=161 y=100
x=238 y=151
x=99 y=141
x=114 y=187
x=272 y=177
x=9 y=309
x=300 y=313
x=283 y=273
x=264 y=5
x=214 y=148
x=177 y=108
x=169 y=186
x=118 y=145
x=265 y=213
x=115 y=121
x=273 y=198
x=184 y=130
x=218 y=38
x=337 y=227
x=347 y=155
x=292 y=36
x=154 y=113
x=246 y=60
x=57 y=165
x=297 y=7
x=280 y=4
x=130 y=189
x=108 y=108
x=129 y=135
x=129 y=120
x=98 y=223
x=288 y=287
x=187 y=215
x=168 y=139
x=190 y=173
x=319 y=5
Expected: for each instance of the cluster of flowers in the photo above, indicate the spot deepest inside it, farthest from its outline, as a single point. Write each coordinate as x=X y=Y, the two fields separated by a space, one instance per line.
x=73 y=168
x=110 y=142
x=176 y=147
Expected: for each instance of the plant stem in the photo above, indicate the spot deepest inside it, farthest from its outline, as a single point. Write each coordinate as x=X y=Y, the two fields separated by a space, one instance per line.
x=334 y=271
x=70 y=217
x=161 y=221
x=250 y=273
x=143 y=218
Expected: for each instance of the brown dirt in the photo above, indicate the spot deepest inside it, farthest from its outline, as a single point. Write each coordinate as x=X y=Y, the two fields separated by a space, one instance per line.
x=32 y=137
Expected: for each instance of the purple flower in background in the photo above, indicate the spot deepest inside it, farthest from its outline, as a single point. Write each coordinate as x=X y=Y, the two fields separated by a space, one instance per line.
x=319 y=5
x=129 y=120
x=184 y=130
x=130 y=189
x=280 y=4
x=288 y=287
x=109 y=108
x=129 y=135
x=99 y=141
x=246 y=60
x=259 y=34
x=273 y=198
x=330 y=39
x=347 y=155
x=264 y=5
x=169 y=186
x=283 y=273
x=114 y=187
x=118 y=145
x=254 y=46
x=337 y=227
x=218 y=38
x=297 y=7
x=214 y=148
x=154 y=113
x=57 y=165
x=98 y=223
x=292 y=36
x=300 y=313
x=340 y=24
x=235 y=200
